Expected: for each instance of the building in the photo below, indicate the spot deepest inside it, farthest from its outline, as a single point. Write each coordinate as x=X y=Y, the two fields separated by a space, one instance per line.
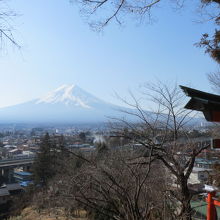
x=21 y=176
x=9 y=190
x=199 y=175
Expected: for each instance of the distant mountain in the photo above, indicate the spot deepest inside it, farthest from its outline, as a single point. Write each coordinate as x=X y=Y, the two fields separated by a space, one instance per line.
x=66 y=104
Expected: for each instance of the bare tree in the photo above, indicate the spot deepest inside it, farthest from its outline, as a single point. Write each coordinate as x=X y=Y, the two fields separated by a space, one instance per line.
x=99 y=13
x=214 y=79
x=102 y=12
x=115 y=187
x=6 y=27
x=165 y=134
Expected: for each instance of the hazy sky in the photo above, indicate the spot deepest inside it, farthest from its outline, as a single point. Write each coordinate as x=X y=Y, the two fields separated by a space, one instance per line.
x=58 y=47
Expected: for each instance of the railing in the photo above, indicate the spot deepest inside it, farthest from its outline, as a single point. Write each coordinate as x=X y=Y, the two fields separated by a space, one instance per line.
x=14 y=160
x=211 y=202
x=19 y=158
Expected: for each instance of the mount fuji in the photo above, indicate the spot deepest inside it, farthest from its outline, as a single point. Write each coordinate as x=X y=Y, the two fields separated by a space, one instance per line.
x=66 y=104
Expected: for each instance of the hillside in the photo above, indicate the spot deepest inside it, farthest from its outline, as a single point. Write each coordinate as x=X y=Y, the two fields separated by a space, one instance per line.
x=31 y=214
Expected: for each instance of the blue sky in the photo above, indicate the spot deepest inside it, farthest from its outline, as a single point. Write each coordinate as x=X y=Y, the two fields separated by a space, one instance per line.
x=58 y=47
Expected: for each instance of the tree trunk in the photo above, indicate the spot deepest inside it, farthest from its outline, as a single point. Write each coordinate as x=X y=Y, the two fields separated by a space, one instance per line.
x=186 y=211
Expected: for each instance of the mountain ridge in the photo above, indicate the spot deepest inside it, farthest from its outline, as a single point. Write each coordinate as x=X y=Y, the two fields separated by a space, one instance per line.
x=66 y=104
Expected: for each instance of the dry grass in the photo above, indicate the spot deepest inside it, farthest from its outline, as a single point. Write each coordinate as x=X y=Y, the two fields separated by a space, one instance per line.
x=32 y=214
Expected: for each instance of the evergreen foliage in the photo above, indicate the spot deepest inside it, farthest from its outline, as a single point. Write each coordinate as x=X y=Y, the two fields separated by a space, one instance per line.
x=44 y=166
x=82 y=136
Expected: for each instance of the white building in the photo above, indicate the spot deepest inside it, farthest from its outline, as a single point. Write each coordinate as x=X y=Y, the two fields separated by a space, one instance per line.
x=199 y=175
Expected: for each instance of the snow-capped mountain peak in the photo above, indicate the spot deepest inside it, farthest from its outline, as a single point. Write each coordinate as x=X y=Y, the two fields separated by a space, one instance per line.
x=66 y=104
x=69 y=95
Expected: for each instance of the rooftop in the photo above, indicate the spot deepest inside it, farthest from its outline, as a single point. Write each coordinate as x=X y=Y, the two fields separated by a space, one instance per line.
x=13 y=186
x=22 y=173
x=205 y=102
x=4 y=192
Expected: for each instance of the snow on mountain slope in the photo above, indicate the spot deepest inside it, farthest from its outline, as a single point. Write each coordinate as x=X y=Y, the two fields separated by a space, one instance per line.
x=66 y=104
x=69 y=95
